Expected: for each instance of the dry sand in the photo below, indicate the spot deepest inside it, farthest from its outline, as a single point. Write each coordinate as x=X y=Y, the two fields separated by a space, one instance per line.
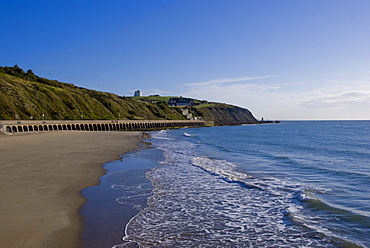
x=40 y=180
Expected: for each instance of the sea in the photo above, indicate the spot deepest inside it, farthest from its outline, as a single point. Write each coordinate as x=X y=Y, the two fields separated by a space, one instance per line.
x=291 y=184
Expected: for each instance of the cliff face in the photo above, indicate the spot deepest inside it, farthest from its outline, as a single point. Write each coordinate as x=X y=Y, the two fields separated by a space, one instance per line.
x=223 y=114
x=25 y=96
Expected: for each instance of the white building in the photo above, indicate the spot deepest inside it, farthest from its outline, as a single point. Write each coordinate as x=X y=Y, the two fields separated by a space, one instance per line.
x=138 y=93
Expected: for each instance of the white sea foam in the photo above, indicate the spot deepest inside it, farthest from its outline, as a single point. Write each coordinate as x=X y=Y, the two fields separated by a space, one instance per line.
x=221 y=168
x=196 y=202
x=161 y=135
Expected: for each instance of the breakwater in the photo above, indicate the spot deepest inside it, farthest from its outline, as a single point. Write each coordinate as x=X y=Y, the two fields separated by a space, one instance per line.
x=26 y=126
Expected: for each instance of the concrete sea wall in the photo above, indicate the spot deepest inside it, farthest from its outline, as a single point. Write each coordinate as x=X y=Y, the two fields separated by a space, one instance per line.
x=26 y=126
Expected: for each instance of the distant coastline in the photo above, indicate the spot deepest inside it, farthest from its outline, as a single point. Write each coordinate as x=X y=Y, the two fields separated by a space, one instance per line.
x=26 y=96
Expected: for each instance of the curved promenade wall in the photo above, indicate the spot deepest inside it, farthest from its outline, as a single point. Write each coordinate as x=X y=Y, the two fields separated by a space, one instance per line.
x=22 y=126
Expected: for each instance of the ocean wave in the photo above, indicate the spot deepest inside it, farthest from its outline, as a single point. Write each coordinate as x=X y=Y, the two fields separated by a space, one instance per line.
x=220 y=168
x=199 y=202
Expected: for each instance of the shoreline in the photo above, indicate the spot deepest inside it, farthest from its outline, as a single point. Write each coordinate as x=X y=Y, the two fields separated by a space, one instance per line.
x=41 y=180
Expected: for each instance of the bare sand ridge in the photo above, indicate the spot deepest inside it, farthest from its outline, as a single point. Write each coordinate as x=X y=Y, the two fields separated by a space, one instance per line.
x=40 y=180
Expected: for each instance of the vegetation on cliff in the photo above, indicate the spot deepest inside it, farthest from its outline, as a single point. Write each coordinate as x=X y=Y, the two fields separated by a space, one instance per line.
x=225 y=114
x=23 y=95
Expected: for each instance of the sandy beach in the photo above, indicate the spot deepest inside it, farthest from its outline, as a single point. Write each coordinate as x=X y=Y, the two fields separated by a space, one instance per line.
x=41 y=177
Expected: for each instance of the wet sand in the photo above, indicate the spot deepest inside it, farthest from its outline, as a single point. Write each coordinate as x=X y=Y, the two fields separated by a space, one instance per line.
x=40 y=180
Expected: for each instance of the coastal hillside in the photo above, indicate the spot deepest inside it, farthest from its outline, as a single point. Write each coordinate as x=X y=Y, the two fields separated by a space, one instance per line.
x=225 y=114
x=23 y=95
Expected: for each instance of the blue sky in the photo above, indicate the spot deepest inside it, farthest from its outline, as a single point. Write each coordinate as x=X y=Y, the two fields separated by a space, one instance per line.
x=281 y=59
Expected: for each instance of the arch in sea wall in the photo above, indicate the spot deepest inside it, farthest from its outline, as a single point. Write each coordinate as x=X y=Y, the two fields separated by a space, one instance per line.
x=13 y=127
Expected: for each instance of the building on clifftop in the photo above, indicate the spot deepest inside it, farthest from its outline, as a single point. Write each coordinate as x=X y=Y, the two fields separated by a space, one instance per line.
x=180 y=102
x=138 y=93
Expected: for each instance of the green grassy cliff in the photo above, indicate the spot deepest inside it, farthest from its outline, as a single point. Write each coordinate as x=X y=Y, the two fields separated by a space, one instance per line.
x=23 y=95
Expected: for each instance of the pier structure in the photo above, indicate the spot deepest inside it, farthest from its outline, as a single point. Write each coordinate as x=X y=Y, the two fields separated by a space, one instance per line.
x=26 y=126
